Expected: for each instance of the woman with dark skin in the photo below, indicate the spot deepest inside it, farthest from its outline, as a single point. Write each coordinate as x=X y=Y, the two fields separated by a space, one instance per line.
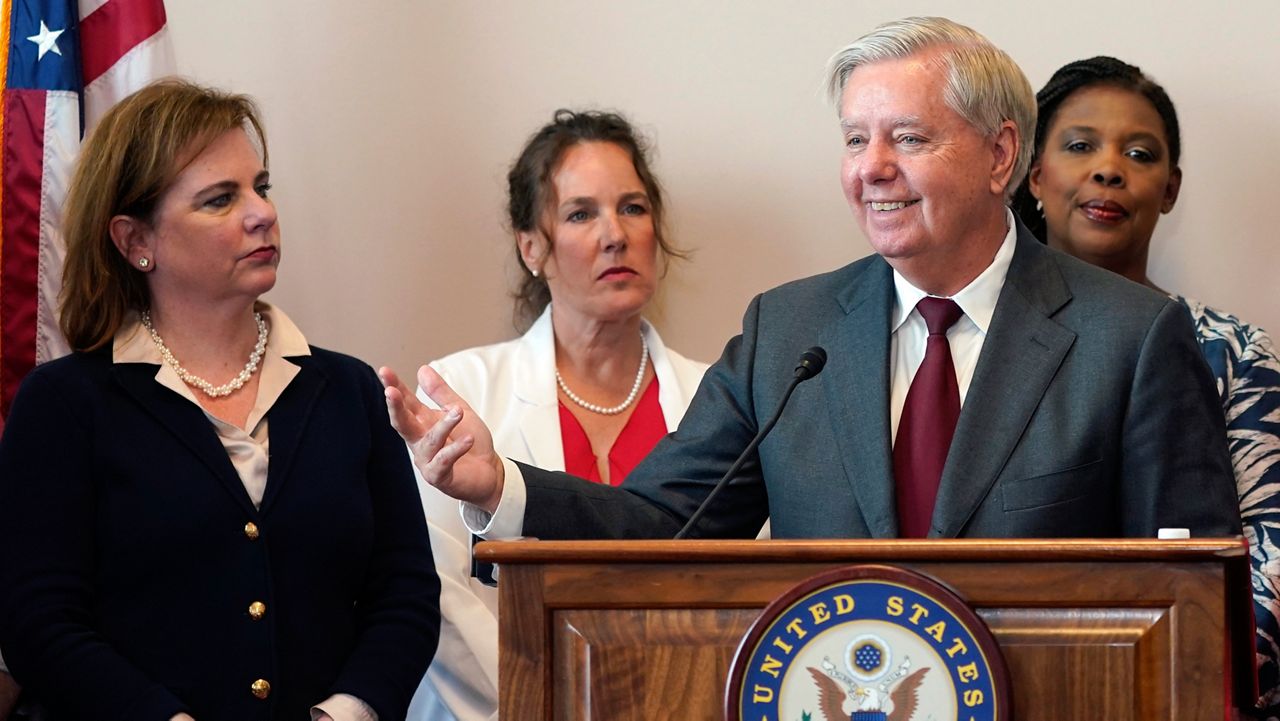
x=1107 y=147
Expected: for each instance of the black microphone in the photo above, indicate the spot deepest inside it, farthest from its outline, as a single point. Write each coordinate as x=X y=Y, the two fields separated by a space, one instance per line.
x=810 y=365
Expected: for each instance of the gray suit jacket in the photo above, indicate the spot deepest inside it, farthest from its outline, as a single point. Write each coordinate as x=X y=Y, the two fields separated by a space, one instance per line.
x=1091 y=413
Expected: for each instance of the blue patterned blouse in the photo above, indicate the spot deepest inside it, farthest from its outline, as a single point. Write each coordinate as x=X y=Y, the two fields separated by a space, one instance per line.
x=1244 y=362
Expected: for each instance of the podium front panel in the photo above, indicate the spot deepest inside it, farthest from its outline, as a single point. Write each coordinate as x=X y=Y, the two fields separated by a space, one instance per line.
x=652 y=636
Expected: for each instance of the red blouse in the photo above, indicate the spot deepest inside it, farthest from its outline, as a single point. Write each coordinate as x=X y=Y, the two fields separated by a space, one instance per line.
x=644 y=429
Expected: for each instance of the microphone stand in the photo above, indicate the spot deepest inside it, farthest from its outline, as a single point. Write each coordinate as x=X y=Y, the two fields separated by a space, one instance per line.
x=811 y=363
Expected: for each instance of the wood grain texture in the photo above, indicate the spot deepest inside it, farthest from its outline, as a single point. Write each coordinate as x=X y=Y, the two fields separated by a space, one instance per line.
x=644 y=664
x=532 y=550
x=1093 y=630
x=1087 y=663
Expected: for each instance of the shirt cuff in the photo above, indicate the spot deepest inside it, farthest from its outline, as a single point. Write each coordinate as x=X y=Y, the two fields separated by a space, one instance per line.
x=343 y=707
x=507 y=520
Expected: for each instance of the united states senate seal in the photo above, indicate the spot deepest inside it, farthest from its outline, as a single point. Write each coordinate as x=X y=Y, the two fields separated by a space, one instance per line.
x=868 y=643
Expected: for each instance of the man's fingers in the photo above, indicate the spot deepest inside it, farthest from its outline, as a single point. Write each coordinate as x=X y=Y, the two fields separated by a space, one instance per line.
x=439 y=391
x=441 y=465
x=390 y=379
x=402 y=419
x=395 y=393
x=436 y=437
x=438 y=434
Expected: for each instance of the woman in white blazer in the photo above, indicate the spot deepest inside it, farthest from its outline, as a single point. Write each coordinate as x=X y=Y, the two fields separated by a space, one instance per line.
x=588 y=388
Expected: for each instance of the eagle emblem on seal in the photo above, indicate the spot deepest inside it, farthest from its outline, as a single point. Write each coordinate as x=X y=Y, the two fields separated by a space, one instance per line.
x=893 y=699
x=868 y=643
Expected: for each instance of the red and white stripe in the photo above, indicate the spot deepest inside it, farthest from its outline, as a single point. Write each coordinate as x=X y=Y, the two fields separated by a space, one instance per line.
x=61 y=143
x=123 y=46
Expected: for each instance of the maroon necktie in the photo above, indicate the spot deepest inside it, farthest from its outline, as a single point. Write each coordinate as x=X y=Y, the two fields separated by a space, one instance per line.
x=927 y=423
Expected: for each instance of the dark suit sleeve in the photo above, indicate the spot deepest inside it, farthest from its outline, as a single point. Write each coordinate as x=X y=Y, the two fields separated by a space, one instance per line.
x=1176 y=467
x=664 y=491
x=399 y=608
x=46 y=561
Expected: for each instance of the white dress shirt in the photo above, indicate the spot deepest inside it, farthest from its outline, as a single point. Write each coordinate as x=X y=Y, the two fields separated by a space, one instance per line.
x=966 y=336
x=977 y=300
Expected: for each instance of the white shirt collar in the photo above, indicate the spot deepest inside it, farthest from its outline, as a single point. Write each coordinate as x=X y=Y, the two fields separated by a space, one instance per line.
x=977 y=299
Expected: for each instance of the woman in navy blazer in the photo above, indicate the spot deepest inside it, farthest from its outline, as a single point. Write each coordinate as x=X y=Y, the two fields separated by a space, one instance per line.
x=201 y=516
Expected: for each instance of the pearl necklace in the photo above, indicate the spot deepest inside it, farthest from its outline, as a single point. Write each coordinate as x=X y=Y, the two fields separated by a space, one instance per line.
x=631 y=397
x=192 y=379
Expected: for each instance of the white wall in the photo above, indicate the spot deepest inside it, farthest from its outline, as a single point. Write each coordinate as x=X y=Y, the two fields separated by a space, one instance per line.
x=392 y=123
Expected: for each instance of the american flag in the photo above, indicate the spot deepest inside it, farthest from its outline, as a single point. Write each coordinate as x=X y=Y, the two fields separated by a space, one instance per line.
x=63 y=63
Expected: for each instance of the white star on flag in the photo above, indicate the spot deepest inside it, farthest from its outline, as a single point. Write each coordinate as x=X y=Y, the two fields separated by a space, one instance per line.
x=46 y=40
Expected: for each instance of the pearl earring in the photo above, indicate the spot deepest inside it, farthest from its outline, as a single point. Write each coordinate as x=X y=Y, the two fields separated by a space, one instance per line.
x=535 y=272
x=144 y=262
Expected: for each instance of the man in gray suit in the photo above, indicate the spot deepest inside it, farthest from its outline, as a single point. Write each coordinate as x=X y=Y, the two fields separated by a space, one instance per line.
x=1053 y=399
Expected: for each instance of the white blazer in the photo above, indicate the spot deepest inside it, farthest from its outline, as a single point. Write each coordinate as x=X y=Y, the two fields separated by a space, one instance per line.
x=512 y=386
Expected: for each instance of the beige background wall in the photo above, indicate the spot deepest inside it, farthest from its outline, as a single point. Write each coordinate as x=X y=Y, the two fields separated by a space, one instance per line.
x=392 y=123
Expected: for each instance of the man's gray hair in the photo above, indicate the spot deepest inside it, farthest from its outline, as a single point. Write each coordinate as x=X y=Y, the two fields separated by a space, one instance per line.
x=984 y=85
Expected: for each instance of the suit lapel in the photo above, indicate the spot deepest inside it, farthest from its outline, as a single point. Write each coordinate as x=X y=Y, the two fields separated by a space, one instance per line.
x=185 y=421
x=540 y=428
x=288 y=420
x=1022 y=352
x=538 y=410
x=856 y=380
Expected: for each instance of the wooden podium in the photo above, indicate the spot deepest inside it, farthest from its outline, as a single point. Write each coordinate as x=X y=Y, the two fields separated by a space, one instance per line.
x=1092 y=630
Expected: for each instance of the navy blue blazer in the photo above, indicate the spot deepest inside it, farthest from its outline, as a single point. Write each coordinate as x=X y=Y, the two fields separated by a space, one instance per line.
x=1091 y=413
x=127 y=570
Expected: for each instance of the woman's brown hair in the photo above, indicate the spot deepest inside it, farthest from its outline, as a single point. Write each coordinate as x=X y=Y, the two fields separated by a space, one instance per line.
x=126 y=164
